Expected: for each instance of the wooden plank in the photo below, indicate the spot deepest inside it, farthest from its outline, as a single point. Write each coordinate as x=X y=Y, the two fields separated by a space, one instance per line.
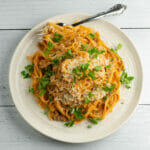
x=26 y=14
x=10 y=39
x=17 y=134
x=8 y=43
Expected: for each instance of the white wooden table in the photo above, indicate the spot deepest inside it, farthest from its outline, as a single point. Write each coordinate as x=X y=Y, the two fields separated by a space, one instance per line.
x=19 y=16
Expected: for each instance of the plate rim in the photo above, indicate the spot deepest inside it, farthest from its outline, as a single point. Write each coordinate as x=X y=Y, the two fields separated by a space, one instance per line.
x=56 y=137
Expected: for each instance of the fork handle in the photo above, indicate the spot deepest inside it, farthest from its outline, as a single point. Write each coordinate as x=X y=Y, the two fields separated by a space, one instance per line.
x=115 y=10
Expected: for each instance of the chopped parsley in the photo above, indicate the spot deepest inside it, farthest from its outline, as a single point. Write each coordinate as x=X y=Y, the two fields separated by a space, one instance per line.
x=43 y=82
x=27 y=72
x=89 y=126
x=46 y=110
x=74 y=79
x=122 y=102
x=90 y=94
x=42 y=92
x=94 y=52
x=87 y=100
x=105 y=98
x=47 y=51
x=84 y=67
x=57 y=37
x=119 y=46
x=49 y=98
x=69 y=124
x=109 y=89
x=92 y=35
x=31 y=90
x=48 y=72
x=29 y=68
x=81 y=69
x=56 y=61
x=128 y=86
x=108 y=66
x=67 y=55
x=95 y=120
x=97 y=68
x=77 y=112
x=92 y=75
x=77 y=71
x=125 y=79
x=84 y=46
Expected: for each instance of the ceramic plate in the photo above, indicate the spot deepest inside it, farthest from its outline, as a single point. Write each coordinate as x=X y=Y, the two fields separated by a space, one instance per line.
x=31 y=112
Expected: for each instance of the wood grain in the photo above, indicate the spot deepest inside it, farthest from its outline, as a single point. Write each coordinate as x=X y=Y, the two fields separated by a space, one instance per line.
x=17 y=134
x=10 y=39
x=25 y=14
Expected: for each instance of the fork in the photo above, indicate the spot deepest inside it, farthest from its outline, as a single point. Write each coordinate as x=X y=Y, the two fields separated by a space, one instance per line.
x=115 y=10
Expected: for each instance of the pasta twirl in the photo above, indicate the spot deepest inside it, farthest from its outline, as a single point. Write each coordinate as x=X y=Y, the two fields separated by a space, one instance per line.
x=75 y=76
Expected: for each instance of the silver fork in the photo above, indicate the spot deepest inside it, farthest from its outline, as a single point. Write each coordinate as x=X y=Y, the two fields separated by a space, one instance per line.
x=115 y=10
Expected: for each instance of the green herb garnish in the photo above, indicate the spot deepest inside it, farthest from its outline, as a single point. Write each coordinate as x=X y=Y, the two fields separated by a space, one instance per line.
x=108 y=66
x=77 y=71
x=125 y=79
x=31 y=90
x=90 y=94
x=43 y=82
x=29 y=68
x=97 y=68
x=69 y=124
x=77 y=112
x=47 y=51
x=122 y=102
x=87 y=100
x=67 y=55
x=56 y=61
x=105 y=98
x=119 y=46
x=84 y=46
x=94 y=52
x=95 y=120
x=74 y=79
x=89 y=126
x=81 y=69
x=48 y=72
x=92 y=35
x=57 y=37
x=27 y=72
x=84 y=67
x=42 y=92
x=109 y=89
x=46 y=110
x=92 y=75
x=49 y=98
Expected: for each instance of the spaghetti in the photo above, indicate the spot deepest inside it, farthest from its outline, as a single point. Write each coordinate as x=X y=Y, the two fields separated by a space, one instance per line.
x=75 y=76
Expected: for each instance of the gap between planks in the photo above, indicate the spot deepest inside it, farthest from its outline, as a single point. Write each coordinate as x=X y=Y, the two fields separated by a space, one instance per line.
x=120 y=28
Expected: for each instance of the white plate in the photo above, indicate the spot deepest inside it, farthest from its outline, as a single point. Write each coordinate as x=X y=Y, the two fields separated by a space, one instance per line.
x=32 y=113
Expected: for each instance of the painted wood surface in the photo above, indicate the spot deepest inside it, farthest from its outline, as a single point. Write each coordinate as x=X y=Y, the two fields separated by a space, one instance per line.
x=17 y=17
x=26 y=14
